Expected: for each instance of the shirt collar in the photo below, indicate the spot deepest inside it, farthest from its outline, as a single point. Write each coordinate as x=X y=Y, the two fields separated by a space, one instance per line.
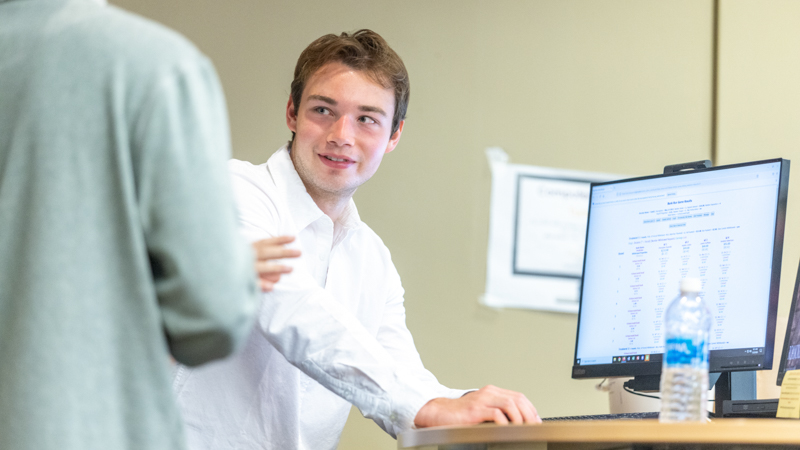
x=302 y=207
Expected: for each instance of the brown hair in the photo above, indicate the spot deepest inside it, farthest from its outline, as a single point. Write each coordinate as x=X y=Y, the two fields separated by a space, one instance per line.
x=364 y=50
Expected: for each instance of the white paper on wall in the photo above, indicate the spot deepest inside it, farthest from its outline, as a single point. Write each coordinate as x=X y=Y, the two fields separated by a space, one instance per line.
x=537 y=233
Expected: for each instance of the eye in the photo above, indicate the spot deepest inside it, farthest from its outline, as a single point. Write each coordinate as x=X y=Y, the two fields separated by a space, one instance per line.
x=366 y=119
x=321 y=110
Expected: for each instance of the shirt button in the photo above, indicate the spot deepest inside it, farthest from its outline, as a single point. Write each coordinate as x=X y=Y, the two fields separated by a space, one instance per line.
x=321 y=257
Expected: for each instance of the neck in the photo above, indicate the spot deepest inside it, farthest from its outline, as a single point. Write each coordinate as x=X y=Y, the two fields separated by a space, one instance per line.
x=332 y=205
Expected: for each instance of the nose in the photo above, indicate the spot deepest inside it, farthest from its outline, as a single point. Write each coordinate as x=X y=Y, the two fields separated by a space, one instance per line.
x=342 y=132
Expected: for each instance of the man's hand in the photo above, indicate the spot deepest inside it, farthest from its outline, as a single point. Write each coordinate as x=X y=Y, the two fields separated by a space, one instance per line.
x=488 y=404
x=269 y=249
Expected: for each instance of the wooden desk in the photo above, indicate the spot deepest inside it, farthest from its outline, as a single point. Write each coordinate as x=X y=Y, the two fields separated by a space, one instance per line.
x=611 y=434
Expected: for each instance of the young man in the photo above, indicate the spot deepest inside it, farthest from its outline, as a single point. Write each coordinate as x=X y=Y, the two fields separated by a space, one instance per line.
x=333 y=331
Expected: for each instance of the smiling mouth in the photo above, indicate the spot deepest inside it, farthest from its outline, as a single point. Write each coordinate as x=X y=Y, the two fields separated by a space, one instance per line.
x=329 y=158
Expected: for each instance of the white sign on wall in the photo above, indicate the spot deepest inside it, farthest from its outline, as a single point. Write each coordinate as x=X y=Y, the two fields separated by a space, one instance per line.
x=537 y=233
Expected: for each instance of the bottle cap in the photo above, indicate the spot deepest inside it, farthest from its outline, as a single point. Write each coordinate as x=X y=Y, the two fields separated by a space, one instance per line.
x=691 y=285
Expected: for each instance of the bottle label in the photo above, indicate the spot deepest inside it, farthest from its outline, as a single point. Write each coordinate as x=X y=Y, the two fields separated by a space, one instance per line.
x=682 y=351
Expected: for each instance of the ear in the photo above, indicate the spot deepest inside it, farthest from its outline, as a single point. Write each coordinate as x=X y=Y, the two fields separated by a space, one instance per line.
x=291 y=116
x=395 y=137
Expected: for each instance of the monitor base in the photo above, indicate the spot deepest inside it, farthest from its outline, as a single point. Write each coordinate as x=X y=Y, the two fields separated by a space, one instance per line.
x=737 y=386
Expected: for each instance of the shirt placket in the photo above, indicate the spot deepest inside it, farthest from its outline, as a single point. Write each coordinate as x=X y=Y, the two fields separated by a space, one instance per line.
x=322 y=249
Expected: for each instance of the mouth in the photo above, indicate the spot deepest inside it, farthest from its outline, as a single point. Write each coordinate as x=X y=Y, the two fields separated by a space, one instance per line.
x=334 y=159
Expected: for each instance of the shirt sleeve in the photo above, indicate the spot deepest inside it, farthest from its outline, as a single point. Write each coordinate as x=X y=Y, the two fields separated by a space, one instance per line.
x=202 y=270
x=318 y=335
x=394 y=336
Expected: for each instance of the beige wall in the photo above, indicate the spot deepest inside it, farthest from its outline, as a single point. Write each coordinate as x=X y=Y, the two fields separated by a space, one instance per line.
x=616 y=86
x=759 y=100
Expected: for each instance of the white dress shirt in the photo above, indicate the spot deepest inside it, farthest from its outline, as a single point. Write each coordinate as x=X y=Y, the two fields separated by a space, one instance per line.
x=332 y=333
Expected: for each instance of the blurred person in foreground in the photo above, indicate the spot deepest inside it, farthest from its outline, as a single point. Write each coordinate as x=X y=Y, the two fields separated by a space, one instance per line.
x=118 y=239
x=333 y=331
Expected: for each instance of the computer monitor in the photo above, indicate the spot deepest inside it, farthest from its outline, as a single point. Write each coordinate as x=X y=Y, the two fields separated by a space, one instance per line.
x=790 y=358
x=723 y=225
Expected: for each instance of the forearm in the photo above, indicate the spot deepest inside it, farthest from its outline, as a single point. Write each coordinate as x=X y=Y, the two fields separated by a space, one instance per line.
x=318 y=335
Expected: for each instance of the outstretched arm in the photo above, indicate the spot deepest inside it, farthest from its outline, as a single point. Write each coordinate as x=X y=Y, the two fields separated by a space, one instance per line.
x=446 y=406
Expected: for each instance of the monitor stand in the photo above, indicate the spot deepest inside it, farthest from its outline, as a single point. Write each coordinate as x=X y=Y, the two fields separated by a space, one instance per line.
x=730 y=386
x=733 y=386
x=644 y=383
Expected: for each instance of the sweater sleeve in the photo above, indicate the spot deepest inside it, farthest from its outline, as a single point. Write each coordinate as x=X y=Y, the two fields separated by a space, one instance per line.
x=203 y=271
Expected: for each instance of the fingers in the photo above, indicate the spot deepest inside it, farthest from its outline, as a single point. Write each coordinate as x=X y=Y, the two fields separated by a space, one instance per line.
x=498 y=417
x=529 y=412
x=505 y=401
x=267 y=269
x=273 y=248
x=513 y=406
x=278 y=240
x=269 y=274
x=266 y=286
x=264 y=252
x=520 y=404
x=269 y=249
x=488 y=404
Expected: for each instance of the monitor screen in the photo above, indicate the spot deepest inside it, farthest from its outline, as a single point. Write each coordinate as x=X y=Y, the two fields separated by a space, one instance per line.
x=723 y=225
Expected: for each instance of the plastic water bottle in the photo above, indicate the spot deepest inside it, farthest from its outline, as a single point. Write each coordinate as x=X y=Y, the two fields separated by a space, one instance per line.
x=684 y=375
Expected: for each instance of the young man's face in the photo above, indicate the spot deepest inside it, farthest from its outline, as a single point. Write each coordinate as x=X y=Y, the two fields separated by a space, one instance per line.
x=342 y=130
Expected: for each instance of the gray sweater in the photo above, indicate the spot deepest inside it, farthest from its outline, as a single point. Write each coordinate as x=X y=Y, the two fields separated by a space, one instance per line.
x=118 y=238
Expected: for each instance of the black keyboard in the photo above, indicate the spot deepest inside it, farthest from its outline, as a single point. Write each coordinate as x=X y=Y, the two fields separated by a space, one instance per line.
x=623 y=416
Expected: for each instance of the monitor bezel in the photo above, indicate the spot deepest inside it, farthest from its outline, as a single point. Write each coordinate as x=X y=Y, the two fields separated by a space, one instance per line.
x=654 y=368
